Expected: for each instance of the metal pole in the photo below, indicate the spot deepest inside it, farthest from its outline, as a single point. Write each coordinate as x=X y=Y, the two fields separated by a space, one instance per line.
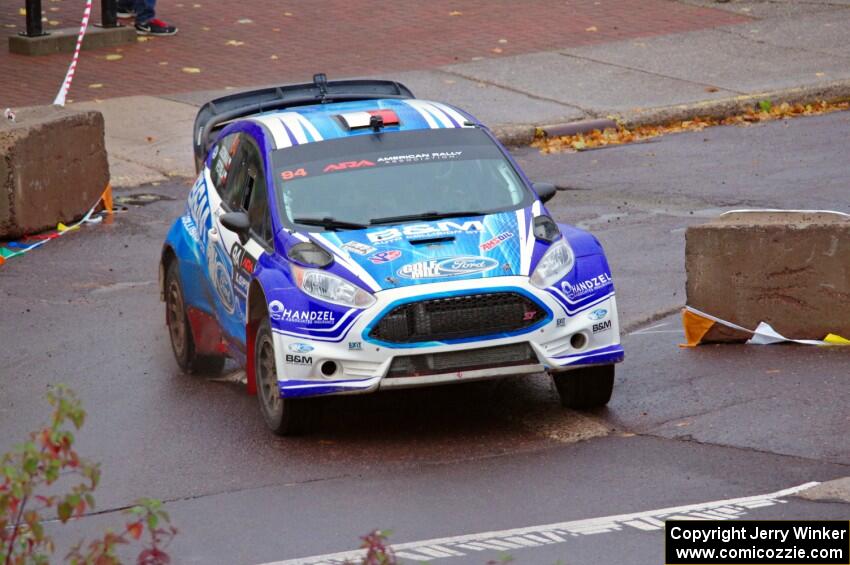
x=108 y=13
x=34 y=28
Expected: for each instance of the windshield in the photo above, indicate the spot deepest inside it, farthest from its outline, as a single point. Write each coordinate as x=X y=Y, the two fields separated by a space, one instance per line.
x=396 y=177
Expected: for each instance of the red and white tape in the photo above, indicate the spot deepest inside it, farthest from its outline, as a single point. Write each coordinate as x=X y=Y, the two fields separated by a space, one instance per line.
x=69 y=76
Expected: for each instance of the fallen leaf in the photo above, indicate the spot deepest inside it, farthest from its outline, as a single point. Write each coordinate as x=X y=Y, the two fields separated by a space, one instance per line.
x=196 y=5
x=53 y=22
x=10 y=25
x=53 y=9
x=149 y=139
x=711 y=89
x=275 y=29
x=683 y=424
x=114 y=57
x=191 y=70
x=592 y=28
x=274 y=57
x=503 y=41
x=135 y=530
x=235 y=43
x=205 y=28
x=288 y=14
x=449 y=81
x=163 y=63
x=143 y=38
x=245 y=21
x=96 y=85
x=455 y=13
x=496 y=50
x=820 y=74
x=22 y=11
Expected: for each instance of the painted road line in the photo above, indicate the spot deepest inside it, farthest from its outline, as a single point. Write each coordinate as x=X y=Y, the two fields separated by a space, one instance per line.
x=535 y=536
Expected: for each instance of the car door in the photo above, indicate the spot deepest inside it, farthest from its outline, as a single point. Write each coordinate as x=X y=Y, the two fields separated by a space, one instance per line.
x=244 y=191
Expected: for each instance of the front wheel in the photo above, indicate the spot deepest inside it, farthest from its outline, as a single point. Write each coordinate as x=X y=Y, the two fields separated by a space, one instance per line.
x=588 y=387
x=284 y=416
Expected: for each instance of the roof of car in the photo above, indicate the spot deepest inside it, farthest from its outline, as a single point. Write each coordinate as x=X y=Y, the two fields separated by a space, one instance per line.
x=306 y=124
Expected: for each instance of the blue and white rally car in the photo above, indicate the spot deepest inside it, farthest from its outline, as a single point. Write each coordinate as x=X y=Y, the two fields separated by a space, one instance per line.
x=345 y=237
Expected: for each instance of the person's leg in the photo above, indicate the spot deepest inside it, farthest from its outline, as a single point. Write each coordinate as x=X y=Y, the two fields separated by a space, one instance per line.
x=145 y=10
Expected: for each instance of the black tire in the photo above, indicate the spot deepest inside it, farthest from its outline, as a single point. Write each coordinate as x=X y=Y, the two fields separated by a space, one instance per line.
x=180 y=331
x=283 y=416
x=590 y=387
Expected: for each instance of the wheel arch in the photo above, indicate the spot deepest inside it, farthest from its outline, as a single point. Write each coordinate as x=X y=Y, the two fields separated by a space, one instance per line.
x=256 y=310
x=168 y=256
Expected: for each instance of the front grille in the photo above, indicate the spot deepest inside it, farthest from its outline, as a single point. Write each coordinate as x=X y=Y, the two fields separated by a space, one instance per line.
x=469 y=360
x=458 y=317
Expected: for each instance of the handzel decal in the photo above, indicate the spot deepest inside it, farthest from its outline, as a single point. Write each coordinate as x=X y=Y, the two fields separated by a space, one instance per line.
x=496 y=241
x=586 y=286
x=420 y=230
x=280 y=313
x=449 y=267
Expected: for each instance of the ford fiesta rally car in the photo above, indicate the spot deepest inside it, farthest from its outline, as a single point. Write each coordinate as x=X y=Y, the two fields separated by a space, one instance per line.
x=345 y=237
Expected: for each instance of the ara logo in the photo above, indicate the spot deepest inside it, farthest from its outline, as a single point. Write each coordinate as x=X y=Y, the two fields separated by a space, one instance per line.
x=598 y=314
x=300 y=348
x=348 y=165
x=586 y=286
x=382 y=257
x=299 y=359
x=602 y=326
x=280 y=313
x=450 y=267
x=418 y=230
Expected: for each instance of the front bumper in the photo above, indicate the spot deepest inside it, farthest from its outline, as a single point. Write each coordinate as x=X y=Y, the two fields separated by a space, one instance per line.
x=586 y=334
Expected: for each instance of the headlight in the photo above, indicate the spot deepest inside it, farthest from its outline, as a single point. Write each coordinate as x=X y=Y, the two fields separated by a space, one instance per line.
x=331 y=288
x=309 y=254
x=555 y=264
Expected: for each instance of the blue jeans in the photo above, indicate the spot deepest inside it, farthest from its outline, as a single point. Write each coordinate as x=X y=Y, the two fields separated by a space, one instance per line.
x=144 y=9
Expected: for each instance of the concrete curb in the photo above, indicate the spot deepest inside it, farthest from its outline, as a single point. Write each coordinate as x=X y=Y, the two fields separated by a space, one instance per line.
x=837 y=91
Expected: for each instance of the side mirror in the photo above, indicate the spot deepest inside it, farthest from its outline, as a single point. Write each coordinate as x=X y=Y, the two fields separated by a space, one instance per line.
x=545 y=190
x=237 y=222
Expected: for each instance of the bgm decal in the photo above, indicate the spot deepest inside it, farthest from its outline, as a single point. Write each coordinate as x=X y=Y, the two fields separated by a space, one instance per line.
x=298 y=359
x=300 y=348
x=496 y=241
x=448 y=267
x=421 y=230
x=358 y=247
x=382 y=257
x=280 y=313
x=602 y=326
x=598 y=314
x=586 y=286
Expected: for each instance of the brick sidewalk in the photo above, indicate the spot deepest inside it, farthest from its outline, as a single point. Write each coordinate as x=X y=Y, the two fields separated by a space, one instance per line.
x=278 y=41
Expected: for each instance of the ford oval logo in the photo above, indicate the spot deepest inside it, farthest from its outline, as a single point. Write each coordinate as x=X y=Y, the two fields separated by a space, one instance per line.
x=300 y=348
x=448 y=267
x=598 y=314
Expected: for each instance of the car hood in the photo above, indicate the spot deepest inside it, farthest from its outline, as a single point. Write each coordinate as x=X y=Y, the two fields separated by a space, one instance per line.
x=399 y=255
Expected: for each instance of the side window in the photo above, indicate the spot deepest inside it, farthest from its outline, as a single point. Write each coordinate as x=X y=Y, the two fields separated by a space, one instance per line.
x=240 y=184
x=223 y=160
x=258 y=206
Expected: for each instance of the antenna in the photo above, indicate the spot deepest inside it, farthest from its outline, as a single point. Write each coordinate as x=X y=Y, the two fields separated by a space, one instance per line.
x=320 y=80
x=376 y=123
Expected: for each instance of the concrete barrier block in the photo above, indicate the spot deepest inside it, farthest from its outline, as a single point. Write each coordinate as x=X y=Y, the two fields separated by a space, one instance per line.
x=789 y=269
x=53 y=168
x=64 y=40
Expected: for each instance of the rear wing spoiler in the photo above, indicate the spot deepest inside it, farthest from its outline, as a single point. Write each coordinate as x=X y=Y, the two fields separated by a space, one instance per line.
x=215 y=114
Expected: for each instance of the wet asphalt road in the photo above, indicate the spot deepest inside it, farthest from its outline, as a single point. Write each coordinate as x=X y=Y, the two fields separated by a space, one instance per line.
x=684 y=426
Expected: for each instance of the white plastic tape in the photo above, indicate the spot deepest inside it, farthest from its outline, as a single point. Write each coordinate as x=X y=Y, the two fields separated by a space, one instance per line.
x=69 y=76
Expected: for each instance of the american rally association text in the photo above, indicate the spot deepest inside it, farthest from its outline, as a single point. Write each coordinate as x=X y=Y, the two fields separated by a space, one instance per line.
x=753 y=532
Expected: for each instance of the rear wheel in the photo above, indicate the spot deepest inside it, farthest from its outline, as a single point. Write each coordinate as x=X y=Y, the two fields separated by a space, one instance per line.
x=181 y=332
x=589 y=387
x=284 y=416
